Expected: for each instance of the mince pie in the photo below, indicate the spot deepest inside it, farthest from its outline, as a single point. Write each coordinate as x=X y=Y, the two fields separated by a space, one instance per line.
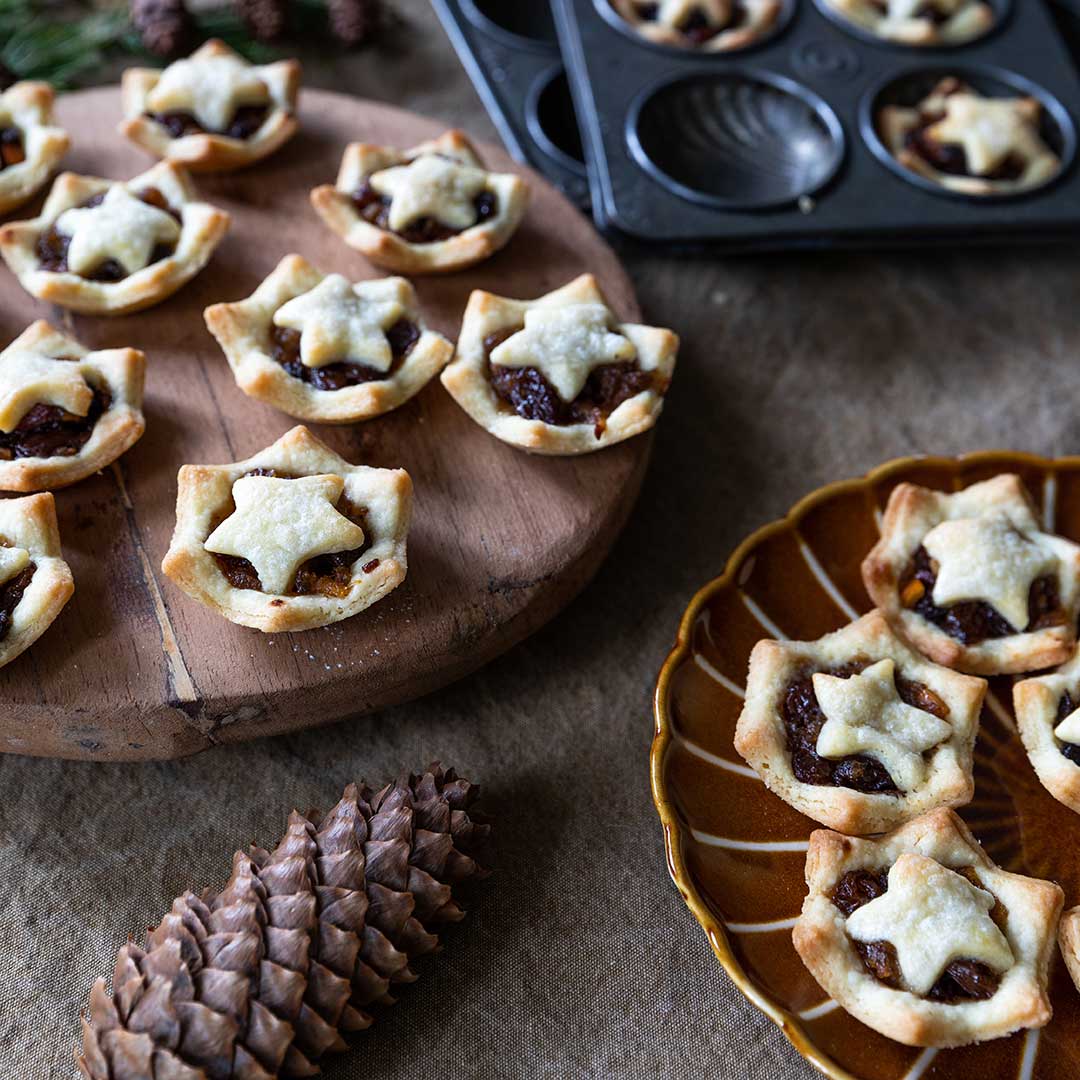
x=923 y=938
x=31 y=145
x=65 y=412
x=857 y=730
x=291 y=539
x=710 y=25
x=559 y=375
x=1069 y=942
x=968 y=143
x=1048 y=716
x=971 y=580
x=35 y=582
x=323 y=349
x=919 y=22
x=213 y=111
x=427 y=210
x=107 y=247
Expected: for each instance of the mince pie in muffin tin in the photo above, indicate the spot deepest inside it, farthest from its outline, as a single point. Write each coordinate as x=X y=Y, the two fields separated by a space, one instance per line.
x=857 y=730
x=972 y=581
x=321 y=348
x=107 y=247
x=709 y=25
x=969 y=143
x=212 y=111
x=35 y=582
x=431 y=209
x=560 y=374
x=31 y=145
x=919 y=22
x=923 y=938
x=292 y=538
x=65 y=412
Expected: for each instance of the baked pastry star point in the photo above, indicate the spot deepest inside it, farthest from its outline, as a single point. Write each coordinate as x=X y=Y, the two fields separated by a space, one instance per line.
x=431 y=186
x=565 y=344
x=13 y=560
x=28 y=379
x=278 y=524
x=931 y=915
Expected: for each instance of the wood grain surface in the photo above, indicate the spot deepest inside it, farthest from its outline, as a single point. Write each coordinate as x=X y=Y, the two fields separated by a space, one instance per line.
x=501 y=541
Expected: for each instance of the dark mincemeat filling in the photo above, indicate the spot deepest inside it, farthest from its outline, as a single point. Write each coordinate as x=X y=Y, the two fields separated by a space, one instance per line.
x=12 y=150
x=48 y=431
x=697 y=28
x=803 y=721
x=285 y=349
x=961 y=981
x=325 y=575
x=375 y=209
x=11 y=592
x=245 y=122
x=531 y=396
x=1066 y=707
x=973 y=621
x=52 y=245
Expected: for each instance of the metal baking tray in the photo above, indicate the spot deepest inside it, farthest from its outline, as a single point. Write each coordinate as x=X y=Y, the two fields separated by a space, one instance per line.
x=511 y=53
x=775 y=146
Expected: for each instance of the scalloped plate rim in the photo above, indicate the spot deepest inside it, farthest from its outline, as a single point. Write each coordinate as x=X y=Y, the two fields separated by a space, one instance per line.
x=717 y=935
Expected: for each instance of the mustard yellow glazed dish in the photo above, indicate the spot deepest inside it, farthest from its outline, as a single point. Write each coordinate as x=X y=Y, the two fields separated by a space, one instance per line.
x=737 y=852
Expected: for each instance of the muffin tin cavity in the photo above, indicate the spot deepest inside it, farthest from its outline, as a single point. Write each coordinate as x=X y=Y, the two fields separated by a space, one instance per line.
x=736 y=140
x=907 y=89
x=552 y=121
x=524 y=20
x=1002 y=12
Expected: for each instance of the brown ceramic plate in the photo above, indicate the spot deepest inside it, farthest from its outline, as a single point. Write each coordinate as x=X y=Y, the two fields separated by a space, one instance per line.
x=736 y=851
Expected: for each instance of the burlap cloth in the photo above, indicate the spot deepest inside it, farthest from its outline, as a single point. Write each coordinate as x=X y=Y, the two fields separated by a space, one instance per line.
x=581 y=961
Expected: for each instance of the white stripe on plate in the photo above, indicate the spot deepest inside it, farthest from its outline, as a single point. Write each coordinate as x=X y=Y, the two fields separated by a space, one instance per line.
x=762 y=618
x=993 y=703
x=818 y=1011
x=922 y=1063
x=748 y=845
x=692 y=747
x=1049 y=499
x=719 y=676
x=826 y=582
x=760 y=927
x=1031 y=1052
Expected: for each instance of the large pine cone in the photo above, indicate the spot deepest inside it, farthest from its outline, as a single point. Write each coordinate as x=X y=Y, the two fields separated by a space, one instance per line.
x=164 y=26
x=265 y=19
x=261 y=979
x=354 y=21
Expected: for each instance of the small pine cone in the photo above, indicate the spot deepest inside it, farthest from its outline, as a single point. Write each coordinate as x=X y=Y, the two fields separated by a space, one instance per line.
x=262 y=979
x=354 y=21
x=265 y=19
x=163 y=25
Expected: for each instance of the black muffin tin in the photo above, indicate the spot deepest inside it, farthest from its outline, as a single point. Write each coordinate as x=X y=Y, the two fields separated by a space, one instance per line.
x=769 y=147
x=511 y=52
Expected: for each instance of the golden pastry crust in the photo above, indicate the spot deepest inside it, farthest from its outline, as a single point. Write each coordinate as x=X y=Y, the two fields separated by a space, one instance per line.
x=1031 y=914
x=761 y=18
x=30 y=105
x=895 y=123
x=242 y=329
x=971 y=20
x=120 y=372
x=205 y=495
x=911 y=513
x=761 y=739
x=209 y=151
x=1069 y=942
x=1036 y=704
x=467 y=377
x=334 y=204
x=30 y=523
x=202 y=227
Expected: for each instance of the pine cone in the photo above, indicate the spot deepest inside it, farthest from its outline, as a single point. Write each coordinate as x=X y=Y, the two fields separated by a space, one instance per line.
x=265 y=19
x=163 y=25
x=354 y=21
x=263 y=978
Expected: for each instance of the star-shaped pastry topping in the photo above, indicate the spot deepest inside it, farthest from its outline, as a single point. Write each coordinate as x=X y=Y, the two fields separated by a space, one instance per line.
x=431 y=187
x=1068 y=731
x=120 y=227
x=338 y=321
x=678 y=12
x=279 y=524
x=932 y=916
x=28 y=379
x=989 y=129
x=865 y=715
x=211 y=88
x=13 y=560
x=565 y=344
x=989 y=559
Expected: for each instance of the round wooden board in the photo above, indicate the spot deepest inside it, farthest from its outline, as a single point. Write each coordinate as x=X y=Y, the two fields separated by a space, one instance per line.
x=501 y=541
